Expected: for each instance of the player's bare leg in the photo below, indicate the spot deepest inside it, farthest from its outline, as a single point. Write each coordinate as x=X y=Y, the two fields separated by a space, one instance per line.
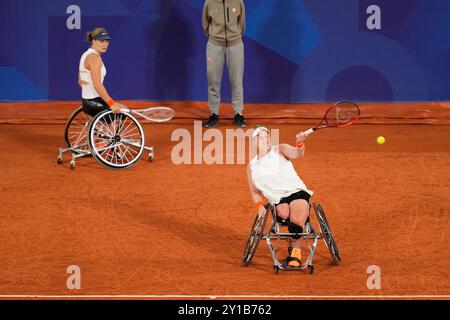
x=283 y=211
x=299 y=210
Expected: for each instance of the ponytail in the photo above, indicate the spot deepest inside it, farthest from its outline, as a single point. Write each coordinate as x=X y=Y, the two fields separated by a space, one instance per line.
x=89 y=36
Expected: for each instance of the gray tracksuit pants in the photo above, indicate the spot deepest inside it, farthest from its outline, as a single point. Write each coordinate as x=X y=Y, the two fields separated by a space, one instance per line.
x=234 y=56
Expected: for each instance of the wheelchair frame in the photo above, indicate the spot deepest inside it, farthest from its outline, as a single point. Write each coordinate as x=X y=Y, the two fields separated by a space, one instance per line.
x=84 y=145
x=258 y=232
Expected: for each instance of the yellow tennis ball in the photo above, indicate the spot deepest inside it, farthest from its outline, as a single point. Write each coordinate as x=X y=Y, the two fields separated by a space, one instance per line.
x=381 y=140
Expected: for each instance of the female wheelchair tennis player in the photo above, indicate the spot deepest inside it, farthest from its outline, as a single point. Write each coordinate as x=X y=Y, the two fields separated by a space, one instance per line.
x=272 y=175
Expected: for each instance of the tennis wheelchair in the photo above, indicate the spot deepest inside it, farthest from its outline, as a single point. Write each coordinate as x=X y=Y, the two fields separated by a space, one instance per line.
x=272 y=233
x=116 y=140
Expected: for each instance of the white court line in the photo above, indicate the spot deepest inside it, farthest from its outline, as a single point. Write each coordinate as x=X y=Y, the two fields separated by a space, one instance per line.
x=229 y=296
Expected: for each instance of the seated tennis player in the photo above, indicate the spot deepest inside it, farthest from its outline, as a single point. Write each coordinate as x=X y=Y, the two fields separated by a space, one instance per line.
x=91 y=74
x=272 y=175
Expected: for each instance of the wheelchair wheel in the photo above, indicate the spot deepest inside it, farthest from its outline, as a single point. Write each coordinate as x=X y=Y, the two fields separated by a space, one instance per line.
x=256 y=233
x=76 y=130
x=327 y=234
x=116 y=140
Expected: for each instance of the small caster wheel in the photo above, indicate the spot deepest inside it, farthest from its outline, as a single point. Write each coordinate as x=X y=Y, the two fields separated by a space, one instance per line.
x=150 y=157
x=311 y=269
x=72 y=164
x=276 y=269
x=60 y=159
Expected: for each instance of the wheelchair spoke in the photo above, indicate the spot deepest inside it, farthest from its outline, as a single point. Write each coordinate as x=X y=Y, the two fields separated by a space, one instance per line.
x=86 y=118
x=128 y=133
x=125 y=131
x=131 y=152
x=77 y=139
x=83 y=132
x=116 y=155
x=111 y=120
x=118 y=123
x=123 y=123
x=102 y=137
x=133 y=140
x=107 y=147
x=101 y=129
x=131 y=143
x=115 y=124
x=129 y=127
x=120 y=155
x=124 y=153
x=75 y=133
x=106 y=127
x=101 y=134
x=128 y=149
x=82 y=125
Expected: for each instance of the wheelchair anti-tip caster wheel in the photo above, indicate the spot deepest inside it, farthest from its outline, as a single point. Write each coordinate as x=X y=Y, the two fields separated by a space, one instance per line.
x=150 y=156
x=276 y=269
x=72 y=164
x=60 y=159
x=311 y=269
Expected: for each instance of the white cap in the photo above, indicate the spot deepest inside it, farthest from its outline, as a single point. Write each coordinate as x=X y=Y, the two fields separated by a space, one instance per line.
x=258 y=131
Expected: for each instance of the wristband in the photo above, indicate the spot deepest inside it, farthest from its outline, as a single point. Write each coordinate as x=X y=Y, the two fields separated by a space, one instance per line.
x=301 y=144
x=110 y=102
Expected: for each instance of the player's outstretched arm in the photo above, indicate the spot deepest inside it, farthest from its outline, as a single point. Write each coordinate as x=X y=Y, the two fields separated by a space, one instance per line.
x=296 y=152
x=290 y=152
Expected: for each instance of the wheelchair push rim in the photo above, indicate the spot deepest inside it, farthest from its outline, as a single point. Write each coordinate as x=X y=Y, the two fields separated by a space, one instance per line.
x=116 y=140
x=76 y=131
x=256 y=233
x=327 y=234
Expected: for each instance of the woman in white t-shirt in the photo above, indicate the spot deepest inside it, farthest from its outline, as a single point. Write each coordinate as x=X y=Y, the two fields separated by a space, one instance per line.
x=272 y=175
x=91 y=74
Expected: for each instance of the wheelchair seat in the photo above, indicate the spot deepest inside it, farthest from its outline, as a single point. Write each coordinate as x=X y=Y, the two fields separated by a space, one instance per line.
x=92 y=107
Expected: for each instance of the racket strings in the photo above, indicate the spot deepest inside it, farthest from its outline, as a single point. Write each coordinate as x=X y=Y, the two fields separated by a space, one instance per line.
x=160 y=114
x=341 y=115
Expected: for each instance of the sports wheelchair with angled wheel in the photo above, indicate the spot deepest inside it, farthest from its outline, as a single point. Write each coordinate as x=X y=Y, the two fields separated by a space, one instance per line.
x=116 y=140
x=272 y=233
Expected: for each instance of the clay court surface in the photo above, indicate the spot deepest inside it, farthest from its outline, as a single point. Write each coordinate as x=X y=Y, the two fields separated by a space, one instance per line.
x=163 y=229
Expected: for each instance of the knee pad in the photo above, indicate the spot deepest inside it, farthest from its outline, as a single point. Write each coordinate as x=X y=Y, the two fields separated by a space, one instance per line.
x=293 y=228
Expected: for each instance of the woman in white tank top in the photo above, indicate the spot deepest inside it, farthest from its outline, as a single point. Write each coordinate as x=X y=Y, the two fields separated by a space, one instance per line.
x=272 y=175
x=91 y=74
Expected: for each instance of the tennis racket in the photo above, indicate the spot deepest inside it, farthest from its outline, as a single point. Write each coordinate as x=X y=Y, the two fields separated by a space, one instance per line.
x=156 y=114
x=342 y=114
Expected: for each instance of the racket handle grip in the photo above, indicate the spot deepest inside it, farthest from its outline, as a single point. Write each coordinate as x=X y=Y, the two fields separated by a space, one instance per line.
x=308 y=132
x=125 y=110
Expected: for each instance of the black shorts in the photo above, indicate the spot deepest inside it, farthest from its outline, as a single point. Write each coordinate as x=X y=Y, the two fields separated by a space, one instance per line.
x=295 y=196
x=94 y=106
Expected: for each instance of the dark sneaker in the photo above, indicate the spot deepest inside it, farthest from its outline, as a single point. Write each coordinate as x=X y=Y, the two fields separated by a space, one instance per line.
x=212 y=121
x=239 y=120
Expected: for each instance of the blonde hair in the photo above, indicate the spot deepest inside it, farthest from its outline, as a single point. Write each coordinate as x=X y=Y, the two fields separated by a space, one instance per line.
x=92 y=34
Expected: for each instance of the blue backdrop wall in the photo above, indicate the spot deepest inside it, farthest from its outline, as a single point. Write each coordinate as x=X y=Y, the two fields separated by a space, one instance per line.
x=295 y=50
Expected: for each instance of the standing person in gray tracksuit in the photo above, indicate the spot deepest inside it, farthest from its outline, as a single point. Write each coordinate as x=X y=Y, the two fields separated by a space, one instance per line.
x=224 y=24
